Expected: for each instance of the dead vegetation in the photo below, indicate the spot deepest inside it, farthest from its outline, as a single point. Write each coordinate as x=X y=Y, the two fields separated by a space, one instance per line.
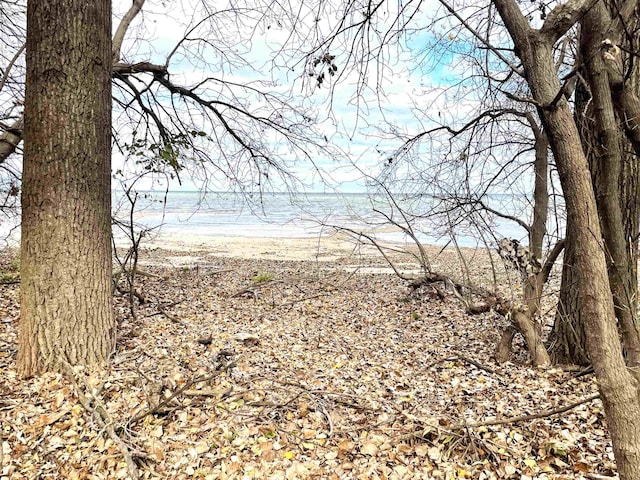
x=318 y=371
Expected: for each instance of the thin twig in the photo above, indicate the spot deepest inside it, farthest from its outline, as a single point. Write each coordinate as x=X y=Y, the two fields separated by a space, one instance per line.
x=7 y=70
x=526 y=418
x=464 y=359
x=174 y=319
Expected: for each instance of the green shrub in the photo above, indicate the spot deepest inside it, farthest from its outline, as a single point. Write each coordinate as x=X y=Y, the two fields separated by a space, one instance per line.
x=262 y=277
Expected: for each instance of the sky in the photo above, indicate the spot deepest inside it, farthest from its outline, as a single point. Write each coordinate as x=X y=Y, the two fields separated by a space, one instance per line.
x=361 y=117
x=364 y=119
x=351 y=120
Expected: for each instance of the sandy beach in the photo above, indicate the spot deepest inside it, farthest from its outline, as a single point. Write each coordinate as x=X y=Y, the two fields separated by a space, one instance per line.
x=322 y=248
x=342 y=250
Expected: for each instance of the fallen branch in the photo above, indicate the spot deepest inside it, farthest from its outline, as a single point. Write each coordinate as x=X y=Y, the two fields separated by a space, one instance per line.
x=97 y=409
x=138 y=273
x=255 y=289
x=338 y=397
x=464 y=359
x=165 y=401
x=174 y=319
x=218 y=272
x=123 y=291
x=526 y=418
x=252 y=290
x=304 y=299
x=506 y=421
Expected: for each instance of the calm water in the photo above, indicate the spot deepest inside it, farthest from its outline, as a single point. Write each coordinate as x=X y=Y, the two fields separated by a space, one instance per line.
x=284 y=215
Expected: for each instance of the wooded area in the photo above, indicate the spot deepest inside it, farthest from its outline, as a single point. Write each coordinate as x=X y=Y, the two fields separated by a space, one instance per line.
x=546 y=105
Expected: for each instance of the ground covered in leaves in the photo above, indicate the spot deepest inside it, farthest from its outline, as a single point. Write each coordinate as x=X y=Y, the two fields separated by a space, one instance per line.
x=270 y=369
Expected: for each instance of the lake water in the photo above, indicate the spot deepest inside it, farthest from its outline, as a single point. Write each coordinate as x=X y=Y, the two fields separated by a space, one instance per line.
x=294 y=216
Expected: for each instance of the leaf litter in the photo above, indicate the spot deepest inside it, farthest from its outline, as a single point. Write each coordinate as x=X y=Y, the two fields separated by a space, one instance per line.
x=274 y=369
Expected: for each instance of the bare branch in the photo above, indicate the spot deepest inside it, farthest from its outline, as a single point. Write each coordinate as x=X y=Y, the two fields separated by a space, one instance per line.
x=484 y=41
x=528 y=418
x=140 y=67
x=7 y=70
x=551 y=259
x=520 y=222
x=118 y=38
x=11 y=138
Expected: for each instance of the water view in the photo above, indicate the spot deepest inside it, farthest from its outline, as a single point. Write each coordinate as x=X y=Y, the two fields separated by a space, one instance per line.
x=300 y=215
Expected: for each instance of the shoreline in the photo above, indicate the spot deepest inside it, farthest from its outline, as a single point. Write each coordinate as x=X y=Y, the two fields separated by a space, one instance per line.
x=319 y=248
x=338 y=251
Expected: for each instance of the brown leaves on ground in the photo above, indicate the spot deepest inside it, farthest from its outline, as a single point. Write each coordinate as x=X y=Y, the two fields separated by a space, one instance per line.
x=313 y=370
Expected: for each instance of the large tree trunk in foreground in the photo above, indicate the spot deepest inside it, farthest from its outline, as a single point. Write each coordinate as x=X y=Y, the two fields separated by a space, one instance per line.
x=618 y=387
x=65 y=310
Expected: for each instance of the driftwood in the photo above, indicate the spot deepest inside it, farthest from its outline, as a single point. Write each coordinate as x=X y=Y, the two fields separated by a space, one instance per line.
x=491 y=301
x=522 y=316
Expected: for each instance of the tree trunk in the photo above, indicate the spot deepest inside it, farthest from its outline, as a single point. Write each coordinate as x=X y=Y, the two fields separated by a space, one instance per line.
x=567 y=341
x=603 y=143
x=526 y=321
x=65 y=303
x=533 y=283
x=618 y=387
x=614 y=169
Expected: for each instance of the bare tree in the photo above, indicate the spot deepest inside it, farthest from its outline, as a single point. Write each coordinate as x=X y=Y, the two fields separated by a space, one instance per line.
x=618 y=386
x=451 y=171
x=250 y=131
x=527 y=39
x=604 y=104
x=205 y=103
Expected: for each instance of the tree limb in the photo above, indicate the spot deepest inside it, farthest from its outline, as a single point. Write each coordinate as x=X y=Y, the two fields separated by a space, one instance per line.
x=563 y=17
x=179 y=391
x=11 y=138
x=7 y=70
x=526 y=418
x=118 y=38
x=97 y=409
x=551 y=259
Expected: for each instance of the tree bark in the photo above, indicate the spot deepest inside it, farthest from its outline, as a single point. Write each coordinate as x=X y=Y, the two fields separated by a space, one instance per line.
x=533 y=284
x=618 y=387
x=526 y=321
x=65 y=303
x=610 y=138
x=604 y=147
x=567 y=340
